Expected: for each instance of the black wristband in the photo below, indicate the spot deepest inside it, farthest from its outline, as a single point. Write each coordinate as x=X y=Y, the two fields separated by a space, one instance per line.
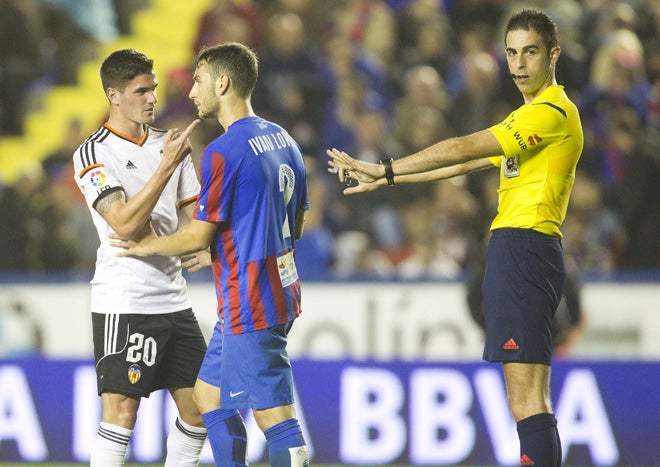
x=389 y=173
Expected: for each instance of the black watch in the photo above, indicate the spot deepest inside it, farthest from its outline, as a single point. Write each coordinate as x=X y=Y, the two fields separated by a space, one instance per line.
x=389 y=174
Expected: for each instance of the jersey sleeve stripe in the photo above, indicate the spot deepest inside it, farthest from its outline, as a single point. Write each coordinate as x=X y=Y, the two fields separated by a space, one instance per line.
x=556 y=107
x=88 y=168
x=183 y=202
x=88 y=150
x=87 y=154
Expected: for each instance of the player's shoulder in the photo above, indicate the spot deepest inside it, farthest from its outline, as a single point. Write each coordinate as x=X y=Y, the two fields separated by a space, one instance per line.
x=86 y=153
x=99 y=136
x=553 y=102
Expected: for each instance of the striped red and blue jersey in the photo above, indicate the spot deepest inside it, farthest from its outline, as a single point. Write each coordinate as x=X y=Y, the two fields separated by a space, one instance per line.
x=254 y=184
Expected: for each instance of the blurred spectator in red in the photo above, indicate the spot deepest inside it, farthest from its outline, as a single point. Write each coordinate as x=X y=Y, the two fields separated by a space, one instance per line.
x=368 y=24
x=230 y=20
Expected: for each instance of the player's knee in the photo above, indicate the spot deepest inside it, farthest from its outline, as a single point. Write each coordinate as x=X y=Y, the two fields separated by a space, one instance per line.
x=206 y=397
x=123 y=416
x=267 y=418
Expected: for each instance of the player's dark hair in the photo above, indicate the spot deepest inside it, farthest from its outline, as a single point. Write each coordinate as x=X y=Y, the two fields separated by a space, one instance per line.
x=535 y=20
x=235 y=60
x=122 y=66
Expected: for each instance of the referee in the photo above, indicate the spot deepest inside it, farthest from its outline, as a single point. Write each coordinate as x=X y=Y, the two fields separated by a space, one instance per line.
x=536 y=149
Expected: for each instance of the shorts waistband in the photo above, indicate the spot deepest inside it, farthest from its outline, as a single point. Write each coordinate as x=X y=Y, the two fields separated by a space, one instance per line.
x=522 y=233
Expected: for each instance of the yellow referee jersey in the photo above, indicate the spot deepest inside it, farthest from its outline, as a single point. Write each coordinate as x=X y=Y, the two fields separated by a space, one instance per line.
x=542 y=143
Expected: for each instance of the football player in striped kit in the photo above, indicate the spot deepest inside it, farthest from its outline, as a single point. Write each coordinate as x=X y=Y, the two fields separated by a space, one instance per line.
x=250 y=210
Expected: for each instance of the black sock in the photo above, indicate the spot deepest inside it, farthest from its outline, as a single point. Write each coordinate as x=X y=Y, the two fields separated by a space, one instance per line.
x=539 y=441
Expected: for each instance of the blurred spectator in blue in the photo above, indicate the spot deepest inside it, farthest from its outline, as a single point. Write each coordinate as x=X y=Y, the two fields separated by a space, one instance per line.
x=636 y=197
x=475 y=106
x=20 y=60
x=66 y=45
x=423 y=88
x=95 y=18
x=594 y=236
x=437 y=228
x=338 y=123
x=315 y=251
x=294 y=93
x=343 y=57
x=376 y=212
x=14 y=201
x=356 y=258
x=427 y=37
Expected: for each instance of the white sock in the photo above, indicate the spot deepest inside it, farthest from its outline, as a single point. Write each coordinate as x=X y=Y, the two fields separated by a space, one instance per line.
x=110 y=445
x=184 y=445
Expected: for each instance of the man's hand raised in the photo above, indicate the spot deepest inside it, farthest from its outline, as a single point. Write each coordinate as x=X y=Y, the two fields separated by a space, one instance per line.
x=177 y=143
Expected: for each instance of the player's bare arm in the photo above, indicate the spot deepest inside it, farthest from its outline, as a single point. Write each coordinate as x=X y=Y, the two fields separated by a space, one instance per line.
x=195 y=236
x=446 y=153
x=366 y=183
x=198 y=259
x=127 y=217
x=449 y=152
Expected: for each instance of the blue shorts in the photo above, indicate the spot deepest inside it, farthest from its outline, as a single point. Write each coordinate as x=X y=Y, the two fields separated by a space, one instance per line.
x=252 y=370
x=523 y=285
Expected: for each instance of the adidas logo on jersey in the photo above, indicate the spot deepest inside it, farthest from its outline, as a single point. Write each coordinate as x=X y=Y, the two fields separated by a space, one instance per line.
x=511 y=345
x=130 y=165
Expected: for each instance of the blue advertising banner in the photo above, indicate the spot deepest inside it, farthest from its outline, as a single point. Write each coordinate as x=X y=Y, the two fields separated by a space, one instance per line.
x=361 y=413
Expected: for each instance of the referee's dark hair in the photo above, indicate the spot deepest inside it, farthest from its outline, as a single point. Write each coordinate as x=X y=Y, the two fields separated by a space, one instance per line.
x=536 y=20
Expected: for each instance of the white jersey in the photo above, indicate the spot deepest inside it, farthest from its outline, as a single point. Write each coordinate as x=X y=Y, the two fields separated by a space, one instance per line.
x=108 y=161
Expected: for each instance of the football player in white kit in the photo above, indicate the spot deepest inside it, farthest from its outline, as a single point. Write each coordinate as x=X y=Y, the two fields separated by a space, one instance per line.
x=136 y=178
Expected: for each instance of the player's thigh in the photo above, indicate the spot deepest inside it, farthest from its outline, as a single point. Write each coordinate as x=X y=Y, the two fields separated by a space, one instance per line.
x=256 y=370
x=184 y=352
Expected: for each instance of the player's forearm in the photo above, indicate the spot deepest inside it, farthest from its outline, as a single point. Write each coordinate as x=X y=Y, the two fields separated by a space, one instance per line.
x=182 y=242
x=442 y=154
x=448 y=153
x=137 y=210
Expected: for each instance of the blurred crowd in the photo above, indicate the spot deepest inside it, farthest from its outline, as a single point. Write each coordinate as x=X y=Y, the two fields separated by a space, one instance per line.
x=376 y=78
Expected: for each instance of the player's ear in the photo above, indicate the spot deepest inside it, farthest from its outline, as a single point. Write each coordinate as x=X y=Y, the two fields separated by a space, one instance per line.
x=222 y=84
x=113 y=95
x=554 y=55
